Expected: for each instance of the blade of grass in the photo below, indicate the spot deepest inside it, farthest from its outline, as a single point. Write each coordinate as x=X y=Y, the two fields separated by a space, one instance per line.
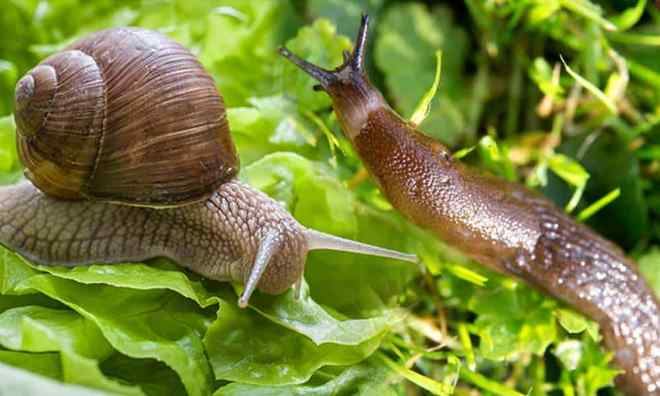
x=598 y=205
x=629 y=17
x=587 y=10
x=466 y=342
x=332 y=139
x=463 y=152
x=435 y=387
x=652 y=40
x=644 y=73
x=590 y=87
x=575 y=199
x=486 y=384
x=467 y=275
x=424 y=106
x=571 y=172
x=515 y=94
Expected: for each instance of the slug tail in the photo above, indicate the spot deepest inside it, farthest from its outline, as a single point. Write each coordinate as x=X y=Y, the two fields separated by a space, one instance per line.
x=323 y=76
x=318 y=240
x=357 y=60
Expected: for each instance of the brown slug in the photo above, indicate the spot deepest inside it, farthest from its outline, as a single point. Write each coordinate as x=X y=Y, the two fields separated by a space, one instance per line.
x=129 y=155
x=502 y=225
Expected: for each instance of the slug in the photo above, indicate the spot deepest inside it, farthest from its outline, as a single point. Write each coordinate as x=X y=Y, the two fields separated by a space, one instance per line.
x=500 y=224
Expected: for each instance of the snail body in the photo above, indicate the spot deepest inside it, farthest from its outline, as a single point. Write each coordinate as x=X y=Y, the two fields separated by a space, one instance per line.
x=503 y=225
x=129 y=156
x=216 y=233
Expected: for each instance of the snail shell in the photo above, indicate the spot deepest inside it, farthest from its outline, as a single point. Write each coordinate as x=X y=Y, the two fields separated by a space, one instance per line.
x=124 y=115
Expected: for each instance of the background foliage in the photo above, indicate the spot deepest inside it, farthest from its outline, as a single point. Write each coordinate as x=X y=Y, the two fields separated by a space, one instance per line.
x=585 y=132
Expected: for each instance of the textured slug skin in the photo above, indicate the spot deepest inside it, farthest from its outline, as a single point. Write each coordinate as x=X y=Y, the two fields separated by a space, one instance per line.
x=503 y=225
x=516 y=231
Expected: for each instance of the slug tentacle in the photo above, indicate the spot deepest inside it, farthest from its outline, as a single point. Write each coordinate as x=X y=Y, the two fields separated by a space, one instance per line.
x=353 y=96
x=353 y=62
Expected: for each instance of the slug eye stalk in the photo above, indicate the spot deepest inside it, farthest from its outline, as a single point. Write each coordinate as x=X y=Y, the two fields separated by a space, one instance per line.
x=352 y=67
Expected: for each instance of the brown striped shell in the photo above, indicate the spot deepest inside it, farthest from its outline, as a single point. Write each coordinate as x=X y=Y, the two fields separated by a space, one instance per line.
x=124 y=115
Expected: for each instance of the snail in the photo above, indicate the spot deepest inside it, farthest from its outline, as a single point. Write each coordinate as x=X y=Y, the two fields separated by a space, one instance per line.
x=128 y=156
x=500 y=224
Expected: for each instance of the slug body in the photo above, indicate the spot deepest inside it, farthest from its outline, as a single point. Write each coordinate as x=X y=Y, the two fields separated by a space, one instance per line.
x=129 y=155
x=503 y=225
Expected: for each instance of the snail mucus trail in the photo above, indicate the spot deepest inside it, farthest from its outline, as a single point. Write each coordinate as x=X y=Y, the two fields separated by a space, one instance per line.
x=129 y=156
x=500 y=224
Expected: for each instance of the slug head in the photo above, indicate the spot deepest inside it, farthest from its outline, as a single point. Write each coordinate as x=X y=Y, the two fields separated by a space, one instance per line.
x=353 y=96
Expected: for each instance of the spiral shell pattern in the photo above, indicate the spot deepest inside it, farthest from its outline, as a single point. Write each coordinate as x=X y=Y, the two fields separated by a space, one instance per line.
x=124 y=115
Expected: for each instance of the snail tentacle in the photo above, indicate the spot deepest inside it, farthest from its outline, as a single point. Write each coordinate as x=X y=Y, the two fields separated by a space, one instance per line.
x=267 y=248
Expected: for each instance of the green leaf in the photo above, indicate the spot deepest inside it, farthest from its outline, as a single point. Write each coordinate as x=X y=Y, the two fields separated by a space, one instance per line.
x=44 y=364
x=17 y=382
x=345 y=13
x=625 y=219
x=365 y=379
x=141 y=324
x=80 y=343
x=541 y=72
x=466 y=274
x=156 y=324
x=246 y=347
x=573 y=173
x=649 y=265
x=270 y=124
x=8 y=78
x=495 y=158
x=160 y=274
x=408 y=37
x=466 y=342
x=512 y=321
x=569 y=353
x=245 y=66
x=309 y=319
x=571 y=321
x=152 y=376
x=13 y=271
x=575 y=323
x=463 y=152
x=542 y=10
x=10 y=168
